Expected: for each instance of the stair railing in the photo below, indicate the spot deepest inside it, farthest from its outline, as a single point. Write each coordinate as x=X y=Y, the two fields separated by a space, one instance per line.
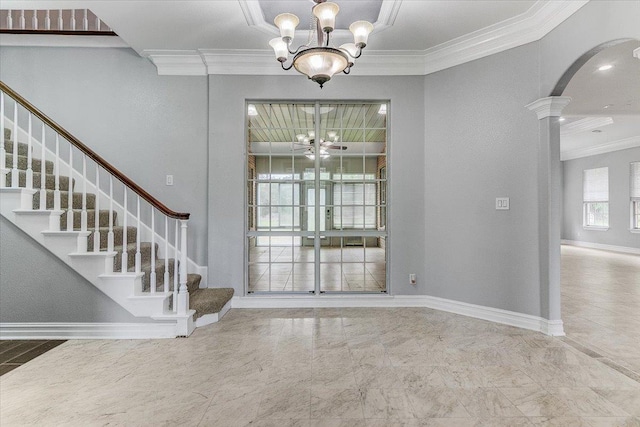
x=53 y=21
x=22 y=112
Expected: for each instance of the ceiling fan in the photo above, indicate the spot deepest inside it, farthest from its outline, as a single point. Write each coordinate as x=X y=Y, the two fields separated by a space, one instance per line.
x=308 y=141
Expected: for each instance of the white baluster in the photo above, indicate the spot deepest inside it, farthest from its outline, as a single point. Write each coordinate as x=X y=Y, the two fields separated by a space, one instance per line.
x=84 y=218
x=96 y=232
x=138 y=254
x=70 y=190
x=22 y=22
x=152 y=275
x=9 y=20
x=125 y=235
x=47 y=20
x=3 y=150
x=56 y=192
x=34 y=20
x=183 y=295
x=110 y=236
x=60 y=20
x=85 y=20
x=15 y=178
x=29 y=183
x=43 y=173
x=165 y=282
x=175 y=270
x=73 y=19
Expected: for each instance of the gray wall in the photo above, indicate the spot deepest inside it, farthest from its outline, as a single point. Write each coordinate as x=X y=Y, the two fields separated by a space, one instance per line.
x=35 y=286
x=146 y=125
x=227 y=166
x=619 y=222
x=481 y=143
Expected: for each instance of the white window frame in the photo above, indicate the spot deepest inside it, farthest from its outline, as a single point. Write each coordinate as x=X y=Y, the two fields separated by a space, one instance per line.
x=591 y=198
x=634 y=197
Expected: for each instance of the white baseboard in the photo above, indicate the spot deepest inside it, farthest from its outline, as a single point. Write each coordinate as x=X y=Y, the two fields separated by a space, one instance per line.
x=28 y=330
x=208 y=319
x=601 y=246
x=505 y=317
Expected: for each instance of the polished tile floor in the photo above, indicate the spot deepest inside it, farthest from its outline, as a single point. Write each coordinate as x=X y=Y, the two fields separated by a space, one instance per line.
x=343 y=367
x=601 y=303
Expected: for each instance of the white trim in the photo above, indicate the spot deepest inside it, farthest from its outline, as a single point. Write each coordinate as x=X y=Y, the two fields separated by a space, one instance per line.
x=527 y=27
x=511 y=318
x=584 y=125
x=208 y=319
x=65 y=330
x=636 y=53
x=595 y=228
x=607 y=147
x=601 y=246
x=55 y=40
x=550 y=106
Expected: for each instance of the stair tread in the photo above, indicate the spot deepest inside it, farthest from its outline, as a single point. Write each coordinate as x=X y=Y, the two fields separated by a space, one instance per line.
x=209 y=300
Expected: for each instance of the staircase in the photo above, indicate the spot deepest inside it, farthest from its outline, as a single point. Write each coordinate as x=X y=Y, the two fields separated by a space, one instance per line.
x=137 y=258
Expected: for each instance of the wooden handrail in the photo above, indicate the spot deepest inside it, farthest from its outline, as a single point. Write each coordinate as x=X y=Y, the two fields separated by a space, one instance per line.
x=92 y=155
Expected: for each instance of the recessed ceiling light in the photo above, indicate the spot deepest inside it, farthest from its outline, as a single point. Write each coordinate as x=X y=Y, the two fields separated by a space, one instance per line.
x=561 y=119
x=608 y=106
x=605 y=67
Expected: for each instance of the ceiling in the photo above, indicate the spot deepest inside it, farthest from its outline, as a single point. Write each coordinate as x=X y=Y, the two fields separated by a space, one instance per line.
x=411 y=37
x=604 y=112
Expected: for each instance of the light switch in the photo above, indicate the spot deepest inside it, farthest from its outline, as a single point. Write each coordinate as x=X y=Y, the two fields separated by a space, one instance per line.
x=502 y=203
x=169 y=179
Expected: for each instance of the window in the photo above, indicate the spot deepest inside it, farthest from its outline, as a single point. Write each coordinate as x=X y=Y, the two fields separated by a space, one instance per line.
x=596 y=198
x=634 y=181
x=355 y=202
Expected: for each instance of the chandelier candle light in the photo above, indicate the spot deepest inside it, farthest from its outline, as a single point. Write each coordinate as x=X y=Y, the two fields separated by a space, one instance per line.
x=319 y=61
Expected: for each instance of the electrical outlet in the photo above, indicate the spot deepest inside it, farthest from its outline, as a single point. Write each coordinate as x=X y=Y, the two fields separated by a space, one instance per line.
x=169 y=179
x=412 y=279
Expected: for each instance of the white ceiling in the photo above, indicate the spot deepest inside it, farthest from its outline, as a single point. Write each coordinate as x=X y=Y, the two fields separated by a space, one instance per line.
x=613 y=93
x=411 y=37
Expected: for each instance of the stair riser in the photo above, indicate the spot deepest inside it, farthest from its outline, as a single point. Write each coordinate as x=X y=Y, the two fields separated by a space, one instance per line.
x=77 y=219
x=36 y=164
x=117 y=237
x=50 y=180
x=64 y=200
x=145 y=253
x=23 y=149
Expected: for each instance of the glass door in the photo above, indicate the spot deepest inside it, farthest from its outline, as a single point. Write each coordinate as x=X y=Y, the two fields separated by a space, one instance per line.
x=316 y=197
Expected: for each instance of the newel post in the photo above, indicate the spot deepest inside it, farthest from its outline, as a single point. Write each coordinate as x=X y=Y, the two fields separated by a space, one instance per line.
x=549 y=171
x=183 y=294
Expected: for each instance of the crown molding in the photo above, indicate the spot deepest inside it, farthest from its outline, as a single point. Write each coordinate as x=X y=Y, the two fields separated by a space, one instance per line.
x=176 y=62
x=585 y=125
x=550 y=106
x=621 y=144
x=528 y=27
x=54 y=40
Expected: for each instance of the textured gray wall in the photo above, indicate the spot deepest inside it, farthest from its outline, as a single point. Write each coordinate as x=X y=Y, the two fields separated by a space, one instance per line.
x=146 y=125
x=406 y=166
x=35 y=286
x=481 y=143
x=619 y=222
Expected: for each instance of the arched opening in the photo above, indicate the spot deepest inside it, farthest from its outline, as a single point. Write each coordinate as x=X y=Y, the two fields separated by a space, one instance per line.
x=599 y=134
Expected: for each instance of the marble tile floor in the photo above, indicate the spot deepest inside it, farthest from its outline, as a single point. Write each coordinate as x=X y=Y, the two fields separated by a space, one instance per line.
x=601 y=305
x=364 y=367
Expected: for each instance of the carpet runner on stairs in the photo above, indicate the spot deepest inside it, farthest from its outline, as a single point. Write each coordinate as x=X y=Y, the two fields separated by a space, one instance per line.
x=204 y=301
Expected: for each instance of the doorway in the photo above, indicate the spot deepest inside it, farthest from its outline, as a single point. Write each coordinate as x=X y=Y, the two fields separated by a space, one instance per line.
x=316 y=197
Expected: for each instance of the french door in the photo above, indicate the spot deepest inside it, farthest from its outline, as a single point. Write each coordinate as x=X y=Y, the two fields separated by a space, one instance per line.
x=316 y=197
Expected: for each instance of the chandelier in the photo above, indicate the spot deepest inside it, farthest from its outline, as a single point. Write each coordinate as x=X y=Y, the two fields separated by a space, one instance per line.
x=317 y=59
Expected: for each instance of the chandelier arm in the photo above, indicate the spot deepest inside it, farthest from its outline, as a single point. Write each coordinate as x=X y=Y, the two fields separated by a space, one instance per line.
x=347 y=70
x=286 y=68
x=293 y=52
